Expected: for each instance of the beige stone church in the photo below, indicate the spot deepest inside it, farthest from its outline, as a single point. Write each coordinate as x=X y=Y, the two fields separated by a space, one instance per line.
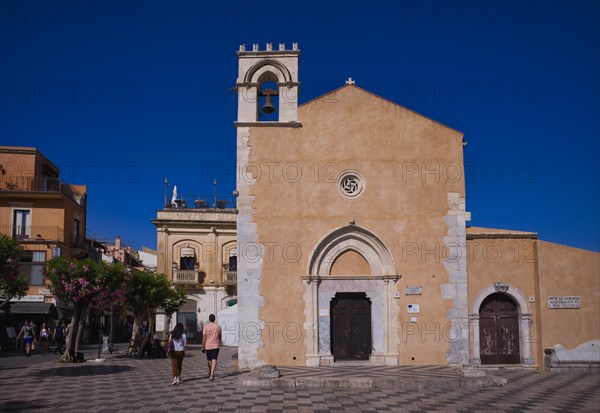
x=354 y=243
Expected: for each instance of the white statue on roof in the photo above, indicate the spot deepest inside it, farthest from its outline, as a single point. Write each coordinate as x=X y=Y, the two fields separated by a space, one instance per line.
x=174 y=197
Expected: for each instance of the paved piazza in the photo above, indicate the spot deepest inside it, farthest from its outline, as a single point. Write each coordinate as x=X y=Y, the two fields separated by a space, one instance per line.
x=122 y=384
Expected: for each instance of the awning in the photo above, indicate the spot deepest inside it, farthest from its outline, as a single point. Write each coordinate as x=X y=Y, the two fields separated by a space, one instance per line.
x=24 y=307
x=188 y=252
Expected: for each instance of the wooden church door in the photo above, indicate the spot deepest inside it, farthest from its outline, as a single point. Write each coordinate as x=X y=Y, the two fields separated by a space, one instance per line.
x=499 y=330
x=350 y=326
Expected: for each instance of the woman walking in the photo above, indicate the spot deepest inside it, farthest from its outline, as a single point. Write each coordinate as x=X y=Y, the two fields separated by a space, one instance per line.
x=176 y=350
x=44 y=339
x=28 y=334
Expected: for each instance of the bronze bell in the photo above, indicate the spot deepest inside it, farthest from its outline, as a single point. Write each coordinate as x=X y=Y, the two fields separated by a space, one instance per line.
x=268 y=107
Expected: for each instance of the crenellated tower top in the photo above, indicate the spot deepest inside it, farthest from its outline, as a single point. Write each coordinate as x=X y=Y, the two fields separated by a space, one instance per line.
x=268 y=48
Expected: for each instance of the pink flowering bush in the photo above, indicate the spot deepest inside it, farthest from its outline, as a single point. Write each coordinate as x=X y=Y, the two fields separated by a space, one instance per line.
x=97 y=284
x=86 y=284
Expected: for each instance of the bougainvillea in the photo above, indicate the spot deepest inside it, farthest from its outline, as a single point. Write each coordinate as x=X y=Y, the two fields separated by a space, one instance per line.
x=85 y=284
x=98 y=283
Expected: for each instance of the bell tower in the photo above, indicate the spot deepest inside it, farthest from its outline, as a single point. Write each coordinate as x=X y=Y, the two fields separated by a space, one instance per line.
x=267 y=87
x=258 y=69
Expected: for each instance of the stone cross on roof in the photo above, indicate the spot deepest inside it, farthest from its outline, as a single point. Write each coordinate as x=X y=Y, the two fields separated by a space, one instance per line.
x=350 y=81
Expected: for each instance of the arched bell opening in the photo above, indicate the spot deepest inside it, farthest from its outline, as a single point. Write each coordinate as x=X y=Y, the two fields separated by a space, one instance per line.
x=268 y=90
x=268 y=102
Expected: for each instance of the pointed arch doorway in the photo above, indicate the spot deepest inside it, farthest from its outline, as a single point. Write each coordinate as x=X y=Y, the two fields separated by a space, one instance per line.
x=349 y=309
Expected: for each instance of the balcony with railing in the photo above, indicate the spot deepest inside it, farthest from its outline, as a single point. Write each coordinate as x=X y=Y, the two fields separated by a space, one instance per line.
x=34 y=232
x=185 y=277
x=201 y=201
x=231 y=277
x=40 y=184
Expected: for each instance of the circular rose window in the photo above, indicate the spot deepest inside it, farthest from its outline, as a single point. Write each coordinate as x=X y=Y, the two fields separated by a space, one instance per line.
x=350 y=184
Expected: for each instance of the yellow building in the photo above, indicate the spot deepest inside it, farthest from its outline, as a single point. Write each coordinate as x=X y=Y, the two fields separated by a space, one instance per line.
x=45 y=214
x=353 y=241
x=197 y=250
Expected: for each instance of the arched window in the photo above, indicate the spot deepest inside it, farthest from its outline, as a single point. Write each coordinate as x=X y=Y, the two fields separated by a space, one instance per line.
x=268 y=102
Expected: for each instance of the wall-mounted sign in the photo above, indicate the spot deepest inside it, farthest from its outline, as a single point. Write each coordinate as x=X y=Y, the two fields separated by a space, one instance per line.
x=413 y=290
x=45 y=291
x=31 y=298
x=413 y=308
x=323 y=312
x=564 y=301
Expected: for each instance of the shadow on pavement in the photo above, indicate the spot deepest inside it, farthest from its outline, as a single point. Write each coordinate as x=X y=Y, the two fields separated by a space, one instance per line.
x=218 y=376
x=19 y=406
x=80 y=369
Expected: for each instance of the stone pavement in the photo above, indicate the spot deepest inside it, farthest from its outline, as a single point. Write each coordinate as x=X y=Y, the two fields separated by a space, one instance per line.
x=123 y=384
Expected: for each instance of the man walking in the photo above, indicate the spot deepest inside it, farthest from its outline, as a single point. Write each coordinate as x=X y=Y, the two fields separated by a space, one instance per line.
x=211 y=341
x=59 y=337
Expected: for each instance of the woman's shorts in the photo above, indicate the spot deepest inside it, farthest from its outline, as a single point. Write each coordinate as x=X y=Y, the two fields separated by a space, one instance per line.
x=27 y=340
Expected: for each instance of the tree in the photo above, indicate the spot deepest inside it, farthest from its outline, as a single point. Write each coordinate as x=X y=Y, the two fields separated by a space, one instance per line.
x=174 y=301
x=87 y=284
x=146 y=293
x=12 y=283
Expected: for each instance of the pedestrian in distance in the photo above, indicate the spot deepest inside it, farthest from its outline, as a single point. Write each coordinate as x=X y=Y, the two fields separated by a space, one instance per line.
x=145 y=328
x=59 y=337
x=211 y=342
x=176 y=351
x=28 y=334
x=44 y=339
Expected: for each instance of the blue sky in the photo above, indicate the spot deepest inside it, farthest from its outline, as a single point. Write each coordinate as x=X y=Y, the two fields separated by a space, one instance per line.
x=121 y=95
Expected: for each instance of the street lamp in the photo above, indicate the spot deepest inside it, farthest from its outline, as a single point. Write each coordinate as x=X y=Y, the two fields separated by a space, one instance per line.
x=166 y=189
x=215 y=193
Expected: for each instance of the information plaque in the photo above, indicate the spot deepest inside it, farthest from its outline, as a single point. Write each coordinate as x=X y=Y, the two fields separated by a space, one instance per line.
x=564 y=301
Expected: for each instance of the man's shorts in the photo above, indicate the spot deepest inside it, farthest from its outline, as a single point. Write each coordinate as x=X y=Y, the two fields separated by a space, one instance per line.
x=27 y=340
x=212 y=354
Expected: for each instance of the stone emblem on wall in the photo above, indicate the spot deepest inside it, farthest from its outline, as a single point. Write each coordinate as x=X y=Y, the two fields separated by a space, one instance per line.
x=350 y=184
x=501 y=287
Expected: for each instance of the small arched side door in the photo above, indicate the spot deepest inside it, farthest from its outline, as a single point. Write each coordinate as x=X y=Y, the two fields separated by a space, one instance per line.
x=499 y=330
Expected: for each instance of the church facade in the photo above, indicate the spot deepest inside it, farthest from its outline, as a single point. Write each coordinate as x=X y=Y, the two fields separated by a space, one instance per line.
x=353 y=240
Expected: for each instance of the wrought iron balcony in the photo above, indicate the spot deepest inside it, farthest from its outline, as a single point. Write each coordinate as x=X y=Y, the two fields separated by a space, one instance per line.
x=29 y=183
x=185 y=277
x=34 y=232
x=40 y=184
x=231 y=277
